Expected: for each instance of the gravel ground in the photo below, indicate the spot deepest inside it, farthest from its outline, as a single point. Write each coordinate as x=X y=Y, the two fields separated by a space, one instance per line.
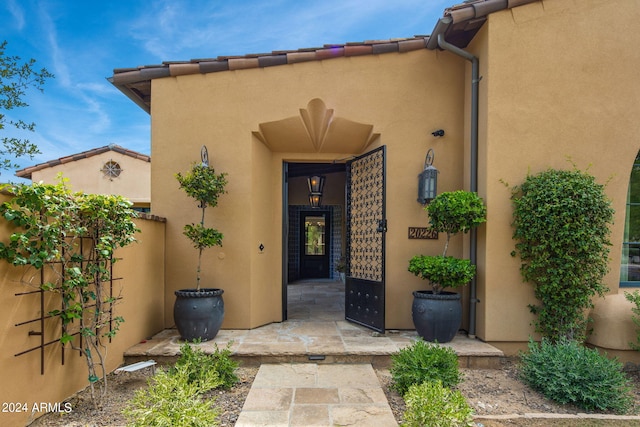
x=491 y=392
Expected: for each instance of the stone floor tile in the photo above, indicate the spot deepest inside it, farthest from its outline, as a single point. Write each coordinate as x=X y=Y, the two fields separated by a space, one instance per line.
x=316 y=395
x=263 y=419
x=310 y=416
x=286 y=375
x=315 y=328
x=371 y=395
x=274 y=348
x=347 y=375
x=362 y=416
x=268 y=399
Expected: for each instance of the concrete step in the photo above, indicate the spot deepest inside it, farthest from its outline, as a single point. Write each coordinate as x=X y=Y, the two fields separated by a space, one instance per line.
x=321 y=342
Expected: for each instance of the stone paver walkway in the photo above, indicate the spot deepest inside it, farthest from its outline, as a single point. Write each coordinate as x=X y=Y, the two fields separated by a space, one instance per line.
x=308 y=394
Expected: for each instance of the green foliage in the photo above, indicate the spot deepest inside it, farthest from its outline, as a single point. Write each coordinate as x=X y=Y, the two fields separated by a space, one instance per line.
x=199 y=365
x=203 y=184
x=450 y=212
x=432 y=404
x=15 y=79
x=422 y=361
x=561 y=227
x=456 y=212
x=442 y=271
x=73 y=237
x=176 y=397
x=568 y=372
x=203 y=237
x=635 y=299
x=172 y=399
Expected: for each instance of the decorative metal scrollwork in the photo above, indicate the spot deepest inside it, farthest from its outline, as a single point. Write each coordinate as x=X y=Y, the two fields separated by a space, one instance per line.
x=366 y=210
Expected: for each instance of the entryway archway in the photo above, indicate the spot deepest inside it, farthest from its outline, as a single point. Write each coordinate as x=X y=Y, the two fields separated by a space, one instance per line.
x=317 y=136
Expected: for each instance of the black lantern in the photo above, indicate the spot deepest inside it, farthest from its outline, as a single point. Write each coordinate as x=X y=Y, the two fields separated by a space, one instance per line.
x=427 y=180
x=316 y=184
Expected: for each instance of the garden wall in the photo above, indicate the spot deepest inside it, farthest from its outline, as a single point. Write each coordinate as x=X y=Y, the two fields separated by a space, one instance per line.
x=27 y=392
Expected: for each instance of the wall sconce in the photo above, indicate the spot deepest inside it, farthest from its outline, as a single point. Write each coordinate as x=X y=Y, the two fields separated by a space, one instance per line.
x=427 y=180
x=316 y=184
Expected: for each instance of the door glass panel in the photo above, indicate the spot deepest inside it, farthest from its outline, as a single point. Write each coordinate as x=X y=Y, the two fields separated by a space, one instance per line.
x=314 y=230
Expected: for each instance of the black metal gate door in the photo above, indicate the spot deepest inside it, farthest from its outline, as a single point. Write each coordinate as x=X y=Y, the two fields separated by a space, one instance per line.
x=366 y=228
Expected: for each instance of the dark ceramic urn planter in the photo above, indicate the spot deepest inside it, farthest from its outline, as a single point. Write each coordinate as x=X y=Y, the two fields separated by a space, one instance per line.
x=437 y=317
x=198 y=314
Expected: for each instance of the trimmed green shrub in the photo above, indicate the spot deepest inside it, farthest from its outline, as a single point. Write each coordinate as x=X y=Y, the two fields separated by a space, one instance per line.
x=431 y=404
x=635 y=299
x=561 y=227
x=568 y=372
x=172 y=399
x=200 y=365
x=422 y=361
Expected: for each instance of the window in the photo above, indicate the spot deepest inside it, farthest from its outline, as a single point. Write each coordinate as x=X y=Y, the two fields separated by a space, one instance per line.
x=111 y=169
x=630 y=268
x=314 y=235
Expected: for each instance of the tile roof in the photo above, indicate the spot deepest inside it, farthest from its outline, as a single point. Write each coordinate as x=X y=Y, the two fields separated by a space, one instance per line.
x=26 y=172
x=460 y=24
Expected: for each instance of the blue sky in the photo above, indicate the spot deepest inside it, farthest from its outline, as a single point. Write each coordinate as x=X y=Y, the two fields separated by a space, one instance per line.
x=82 y=41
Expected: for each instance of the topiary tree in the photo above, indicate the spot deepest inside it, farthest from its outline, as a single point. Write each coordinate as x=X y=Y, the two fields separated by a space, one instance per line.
x=451 y=213
x=561 y=226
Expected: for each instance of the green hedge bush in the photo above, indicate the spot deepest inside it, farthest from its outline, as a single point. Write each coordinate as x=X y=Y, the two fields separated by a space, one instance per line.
x=562 y=222
x=176 y=397
x=568 y=372
x=431 y=404
x=422 y=361
x=172 y=399
x=199 y=365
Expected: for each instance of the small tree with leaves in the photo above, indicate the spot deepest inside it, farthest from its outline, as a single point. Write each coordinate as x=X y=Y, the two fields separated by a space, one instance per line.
x=16 y=78
x=203 y=184
x=72 y=237
x=561 y=226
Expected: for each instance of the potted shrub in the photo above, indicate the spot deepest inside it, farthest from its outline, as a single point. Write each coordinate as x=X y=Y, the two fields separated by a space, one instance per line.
x=198 y=312
x=341 y=268
x=436 y=313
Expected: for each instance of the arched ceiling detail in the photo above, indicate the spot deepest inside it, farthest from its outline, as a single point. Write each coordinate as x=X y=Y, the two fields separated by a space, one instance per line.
x=316 y=130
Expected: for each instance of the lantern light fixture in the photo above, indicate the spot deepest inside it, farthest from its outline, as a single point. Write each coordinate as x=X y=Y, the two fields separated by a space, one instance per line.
x=316 y=185
x=428 y=180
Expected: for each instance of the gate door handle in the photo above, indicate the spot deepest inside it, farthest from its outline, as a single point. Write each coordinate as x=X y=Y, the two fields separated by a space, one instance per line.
x=382 y=226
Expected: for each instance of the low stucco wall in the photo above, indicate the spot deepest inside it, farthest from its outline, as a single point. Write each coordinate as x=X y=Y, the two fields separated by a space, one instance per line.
x=142 y=306
x=613 y=327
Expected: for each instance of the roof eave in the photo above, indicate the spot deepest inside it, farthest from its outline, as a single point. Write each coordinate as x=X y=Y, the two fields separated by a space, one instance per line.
x=131 y=95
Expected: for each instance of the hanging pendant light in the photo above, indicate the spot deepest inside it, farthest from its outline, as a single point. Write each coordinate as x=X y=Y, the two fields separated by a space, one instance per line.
x=316 y=185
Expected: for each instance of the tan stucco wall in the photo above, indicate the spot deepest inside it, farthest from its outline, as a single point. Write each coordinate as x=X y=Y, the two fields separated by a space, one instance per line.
x=405 y=96
x=547 y=94
x=86 y=175
x=558 y=83
x=142 y=308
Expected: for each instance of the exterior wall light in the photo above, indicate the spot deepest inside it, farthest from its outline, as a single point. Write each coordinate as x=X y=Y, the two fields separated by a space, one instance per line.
x=428 y=180
x=316 y=184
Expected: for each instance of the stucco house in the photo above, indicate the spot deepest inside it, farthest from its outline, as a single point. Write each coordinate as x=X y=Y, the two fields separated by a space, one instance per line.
x=111 y=169
x=517 y=86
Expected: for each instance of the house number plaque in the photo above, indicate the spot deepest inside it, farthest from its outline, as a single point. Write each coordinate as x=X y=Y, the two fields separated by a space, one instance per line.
x=422 y=233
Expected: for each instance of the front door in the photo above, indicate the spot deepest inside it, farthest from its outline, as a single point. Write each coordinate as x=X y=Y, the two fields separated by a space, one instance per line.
x=315 y=244
x=366 y=228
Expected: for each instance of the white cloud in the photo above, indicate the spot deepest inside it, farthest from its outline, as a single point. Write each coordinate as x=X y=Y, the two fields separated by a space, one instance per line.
x=17 y=13
x=209 y=29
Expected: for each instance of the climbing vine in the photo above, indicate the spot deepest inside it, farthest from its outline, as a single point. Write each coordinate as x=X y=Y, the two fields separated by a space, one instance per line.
x=73 y=236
